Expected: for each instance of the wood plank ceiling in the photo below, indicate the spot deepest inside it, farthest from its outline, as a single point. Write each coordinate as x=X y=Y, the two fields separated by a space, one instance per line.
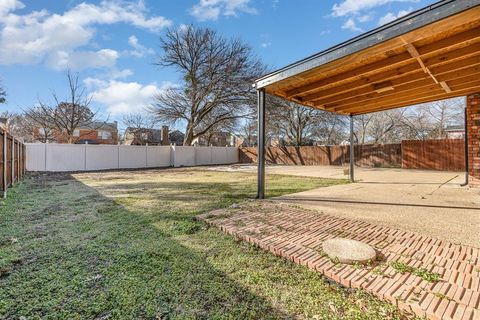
x=437 y=61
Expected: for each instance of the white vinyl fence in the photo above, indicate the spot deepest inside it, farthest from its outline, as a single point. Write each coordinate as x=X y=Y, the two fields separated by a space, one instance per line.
x=85 y=157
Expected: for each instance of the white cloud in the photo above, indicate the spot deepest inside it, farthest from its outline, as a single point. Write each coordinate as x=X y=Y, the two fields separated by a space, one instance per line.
x=41 y=36
x=352 y=7
x=351 y=25
x=138 y=49
x=391 y=16
x=365 y=18
x=120 y=74
x=265 y=44
x=212 y=9
x=10 y=5
x=124 y=97
x=79 y=60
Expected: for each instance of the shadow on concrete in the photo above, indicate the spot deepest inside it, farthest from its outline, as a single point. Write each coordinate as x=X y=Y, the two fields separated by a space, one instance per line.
x=316 y=199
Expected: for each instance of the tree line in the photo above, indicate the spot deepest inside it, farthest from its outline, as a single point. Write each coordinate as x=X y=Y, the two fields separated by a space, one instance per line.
x=214 y=93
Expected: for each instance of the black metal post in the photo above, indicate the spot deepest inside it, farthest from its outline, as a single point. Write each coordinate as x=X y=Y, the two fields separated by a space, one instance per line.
x=352 y=151
x=261 y=144
x=465 y=118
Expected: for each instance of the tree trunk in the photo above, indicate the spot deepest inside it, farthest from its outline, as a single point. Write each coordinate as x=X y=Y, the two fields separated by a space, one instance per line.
x=188 y=136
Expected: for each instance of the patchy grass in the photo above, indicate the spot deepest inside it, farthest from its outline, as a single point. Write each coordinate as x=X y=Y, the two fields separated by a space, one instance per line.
x=420 y=272
x=125 y=245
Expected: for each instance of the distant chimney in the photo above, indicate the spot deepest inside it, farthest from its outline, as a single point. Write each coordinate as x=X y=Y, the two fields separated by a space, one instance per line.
x=164 y=136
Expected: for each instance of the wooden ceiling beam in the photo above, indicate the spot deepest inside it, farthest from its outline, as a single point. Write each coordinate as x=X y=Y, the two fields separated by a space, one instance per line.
x=441 y=96
x=376 y=66
x=460 y=53
x=411 y=92
x=404 y=73
x=412 y=103
x=389 y=62
x=465 y=36
x=401 y=87
x=414 y=53
x=443 y=60
x=380 y=105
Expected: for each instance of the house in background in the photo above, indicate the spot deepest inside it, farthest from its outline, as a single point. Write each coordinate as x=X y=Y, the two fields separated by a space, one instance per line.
x=92 y=133
x=217 y=139
x=154 y=137
x=455 y=131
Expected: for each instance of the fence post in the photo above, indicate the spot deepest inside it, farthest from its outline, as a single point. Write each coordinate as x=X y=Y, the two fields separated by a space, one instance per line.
x=24 y=159
x=13 y=160
x=5 y=164
x=19 y=164
x=146 y=155
x=19 y=155
x=172 y=155
x=211 y=154
x=85 y=157
x=46 y=154
x=118 y=155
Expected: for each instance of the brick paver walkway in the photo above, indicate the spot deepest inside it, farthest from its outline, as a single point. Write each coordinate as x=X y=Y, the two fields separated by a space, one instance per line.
x=440 y=280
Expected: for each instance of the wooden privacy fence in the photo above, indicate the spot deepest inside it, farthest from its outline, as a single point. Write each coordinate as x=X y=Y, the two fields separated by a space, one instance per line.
x=445 y=155
x=365 y=155
x=12 y=161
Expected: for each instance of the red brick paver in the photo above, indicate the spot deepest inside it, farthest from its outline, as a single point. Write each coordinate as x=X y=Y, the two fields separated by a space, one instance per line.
x=297 y=234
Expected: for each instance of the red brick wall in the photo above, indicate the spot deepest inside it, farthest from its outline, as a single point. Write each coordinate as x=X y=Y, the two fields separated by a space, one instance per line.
x=84 y=135
x=473 y=125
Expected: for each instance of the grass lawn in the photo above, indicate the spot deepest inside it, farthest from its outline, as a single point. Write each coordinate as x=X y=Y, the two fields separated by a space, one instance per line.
x=124 y=245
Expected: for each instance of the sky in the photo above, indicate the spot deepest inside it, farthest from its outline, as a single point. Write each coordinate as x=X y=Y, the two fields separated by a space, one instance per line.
x=112 y=44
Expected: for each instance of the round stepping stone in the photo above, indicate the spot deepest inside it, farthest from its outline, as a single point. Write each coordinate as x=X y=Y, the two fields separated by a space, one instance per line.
x=349 y=251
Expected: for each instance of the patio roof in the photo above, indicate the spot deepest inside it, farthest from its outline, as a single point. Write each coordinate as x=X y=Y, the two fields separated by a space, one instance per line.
x=430 y=54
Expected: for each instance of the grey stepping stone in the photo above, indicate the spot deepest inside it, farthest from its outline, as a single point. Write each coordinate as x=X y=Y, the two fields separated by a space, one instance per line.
x=349 y=251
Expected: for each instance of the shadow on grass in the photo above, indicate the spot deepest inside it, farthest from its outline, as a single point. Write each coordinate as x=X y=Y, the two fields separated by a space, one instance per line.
x=78 y=253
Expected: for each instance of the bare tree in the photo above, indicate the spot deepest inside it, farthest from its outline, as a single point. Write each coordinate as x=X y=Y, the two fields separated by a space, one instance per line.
x=294 y=122
x=361 y=124
x=330 y=128
x=217 y=74
x=140 y=126
x=248 y=130
x=20 y=126
x=444 y=112
x=63 y=117
x=385 y=127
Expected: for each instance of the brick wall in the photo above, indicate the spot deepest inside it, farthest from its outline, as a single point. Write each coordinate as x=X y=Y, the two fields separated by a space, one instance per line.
x=83 y=135
x=473 y=124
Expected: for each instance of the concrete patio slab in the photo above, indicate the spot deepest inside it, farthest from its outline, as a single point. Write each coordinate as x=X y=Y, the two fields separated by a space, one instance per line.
x=425 y=201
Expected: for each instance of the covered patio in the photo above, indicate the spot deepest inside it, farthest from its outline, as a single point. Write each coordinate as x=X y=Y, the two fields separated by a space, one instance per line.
x=428 y=55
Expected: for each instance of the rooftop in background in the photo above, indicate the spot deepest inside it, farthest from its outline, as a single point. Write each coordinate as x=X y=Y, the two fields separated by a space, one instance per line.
x=455 y=127
x=430 y=54
x=99 y=125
